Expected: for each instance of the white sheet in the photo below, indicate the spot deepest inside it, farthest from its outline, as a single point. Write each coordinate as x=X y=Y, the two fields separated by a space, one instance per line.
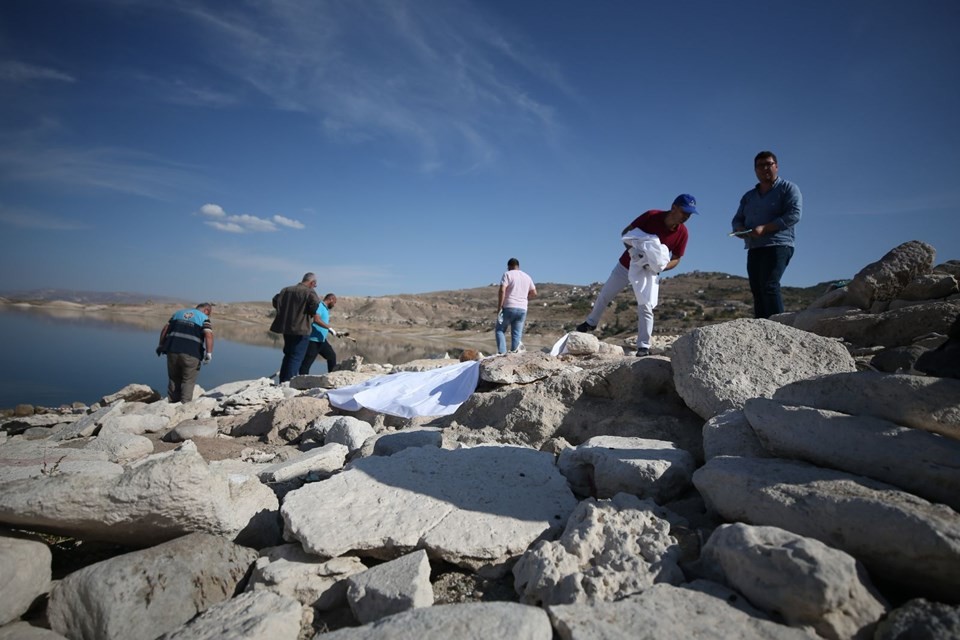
x=648 y=257
x=438 y=392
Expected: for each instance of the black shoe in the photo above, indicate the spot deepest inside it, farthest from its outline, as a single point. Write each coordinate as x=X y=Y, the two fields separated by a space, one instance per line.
x=585 y=327
x=642 y=353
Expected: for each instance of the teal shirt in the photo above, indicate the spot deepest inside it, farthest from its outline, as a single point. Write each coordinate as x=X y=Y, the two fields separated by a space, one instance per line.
x=318 y=333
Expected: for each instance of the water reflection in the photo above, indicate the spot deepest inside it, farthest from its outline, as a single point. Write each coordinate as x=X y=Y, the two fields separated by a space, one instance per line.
x=57 y=354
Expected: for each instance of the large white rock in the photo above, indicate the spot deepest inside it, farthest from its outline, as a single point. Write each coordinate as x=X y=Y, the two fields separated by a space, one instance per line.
x=581 y=344
x=801 y=580
x=349 y=431
x=478 y=507
x=255 y=615
x=25 y=571
x=931 y=404
x=720 y=366
x=146 y=593
x=392 y=587
x=134 y=423
x=861 y=445
x=521 y=368
x=26 y=631
x=122 y=448
x=604 y=466
x=730 y=434
x=21 y=459
x=898 y=536
x=321 y=462
x=470 y=621
x=161 y=497
x=90 y=423
x=609 y=550
x=701 y=610
x=886 y=278
x=314 y=582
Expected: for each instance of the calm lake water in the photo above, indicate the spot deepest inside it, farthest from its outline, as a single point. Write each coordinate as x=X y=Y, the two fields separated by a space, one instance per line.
x=48 y=360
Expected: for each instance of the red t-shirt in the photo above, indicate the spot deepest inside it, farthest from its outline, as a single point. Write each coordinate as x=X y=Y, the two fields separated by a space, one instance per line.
x=653 y=222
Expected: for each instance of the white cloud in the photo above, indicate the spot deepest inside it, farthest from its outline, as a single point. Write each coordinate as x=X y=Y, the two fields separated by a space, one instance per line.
x=213 y=210
x=288 y=222
x=16 y=71
x=243 y=223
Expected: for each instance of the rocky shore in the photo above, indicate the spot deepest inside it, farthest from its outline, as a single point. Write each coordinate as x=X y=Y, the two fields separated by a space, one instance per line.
x=797 y=477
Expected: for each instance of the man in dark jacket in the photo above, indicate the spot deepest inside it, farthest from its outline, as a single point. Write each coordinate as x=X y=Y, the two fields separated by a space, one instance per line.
x=187 y=339
x=296 y=306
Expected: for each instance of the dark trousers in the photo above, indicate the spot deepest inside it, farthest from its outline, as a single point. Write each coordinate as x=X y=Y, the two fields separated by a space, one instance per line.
x=182 y=371
x=322 y=348
x=294 y=350
x=765 y=267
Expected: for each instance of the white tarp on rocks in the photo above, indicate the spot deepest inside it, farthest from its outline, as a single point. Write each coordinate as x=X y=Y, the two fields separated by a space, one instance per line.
x=407 y=394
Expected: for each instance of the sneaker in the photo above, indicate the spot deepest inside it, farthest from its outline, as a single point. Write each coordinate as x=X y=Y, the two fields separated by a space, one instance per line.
x=585 y=327
x=520 y=349
x=642 y=353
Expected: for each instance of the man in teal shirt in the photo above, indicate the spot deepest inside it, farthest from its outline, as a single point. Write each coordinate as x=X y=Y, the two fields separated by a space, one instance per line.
x=765 y=220
x=318 y=337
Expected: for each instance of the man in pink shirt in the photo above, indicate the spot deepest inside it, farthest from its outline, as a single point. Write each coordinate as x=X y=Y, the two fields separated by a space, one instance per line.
x=515 y=288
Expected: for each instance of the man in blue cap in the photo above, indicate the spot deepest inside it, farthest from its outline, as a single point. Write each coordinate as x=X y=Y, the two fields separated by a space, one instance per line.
x=669 y=227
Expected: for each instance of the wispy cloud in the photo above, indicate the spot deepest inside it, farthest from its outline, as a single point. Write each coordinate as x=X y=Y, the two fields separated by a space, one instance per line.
x=16 y=71
x=29 y=219
x=347 y=276
x=243 y=223
x=443 y=77
x=110 y=169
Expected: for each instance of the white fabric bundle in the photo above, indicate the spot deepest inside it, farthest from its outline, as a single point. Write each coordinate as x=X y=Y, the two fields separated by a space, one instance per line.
x=648 y=257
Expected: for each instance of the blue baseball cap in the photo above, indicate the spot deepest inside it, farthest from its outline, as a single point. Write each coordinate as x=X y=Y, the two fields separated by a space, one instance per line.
x=688 y=204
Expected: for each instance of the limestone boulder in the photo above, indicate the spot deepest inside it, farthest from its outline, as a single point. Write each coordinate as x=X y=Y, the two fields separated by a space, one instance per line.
x=479 y=507
x=25 y=564
x=730 y=434
x=581 y=344
x=26 y=631
x=314 y=582
x=22 y=458
x=349 y=432
x=89 y=424
x=256 y=615
x=284 y=421
x=521 y=368
x=610 y=549
x=930 y=286
x=894 y=328
x=886 y=278
x=898 y=536
x=133 y=424
x=192 y=429
x=158 y=498
x=699 y=609
x=146 y=593
x=801 y=580
x=931 y=404
x=132 y=393
x=316 y=464
x=604 y=466
x=392 y=587
x=391 y=443
x=120 y=447
x=718 y=367
x=920 y=619
x=469 y=621
x=861 y=445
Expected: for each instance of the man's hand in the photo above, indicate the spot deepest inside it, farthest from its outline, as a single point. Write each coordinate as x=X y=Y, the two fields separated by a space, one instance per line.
x=207 y=357
x=159 y=351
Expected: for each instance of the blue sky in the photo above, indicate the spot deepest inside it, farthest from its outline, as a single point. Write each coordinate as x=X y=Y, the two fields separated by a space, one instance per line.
x=213 y=150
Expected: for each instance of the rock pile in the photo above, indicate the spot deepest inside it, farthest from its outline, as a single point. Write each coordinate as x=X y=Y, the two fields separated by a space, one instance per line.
x=784 y=478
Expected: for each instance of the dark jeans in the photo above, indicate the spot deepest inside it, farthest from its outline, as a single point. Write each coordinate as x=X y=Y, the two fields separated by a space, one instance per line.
x=765 y=267
x=325 y=350
x=294 y=349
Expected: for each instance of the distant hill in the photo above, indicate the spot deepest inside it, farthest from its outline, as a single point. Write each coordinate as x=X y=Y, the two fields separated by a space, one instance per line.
x=85 y=297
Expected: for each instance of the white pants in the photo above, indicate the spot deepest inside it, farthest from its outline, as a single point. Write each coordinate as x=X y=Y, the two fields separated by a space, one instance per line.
x=615 y=283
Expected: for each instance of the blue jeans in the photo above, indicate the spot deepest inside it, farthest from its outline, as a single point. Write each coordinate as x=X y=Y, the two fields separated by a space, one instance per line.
x=294 y=350
x=513 y=318
x=765 y=267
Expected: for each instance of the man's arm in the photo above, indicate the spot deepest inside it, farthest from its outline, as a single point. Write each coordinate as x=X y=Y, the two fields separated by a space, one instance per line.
x=320 y=323
x=501 y=294
x=533 y=292
x=208 y=342
x=672 y=264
